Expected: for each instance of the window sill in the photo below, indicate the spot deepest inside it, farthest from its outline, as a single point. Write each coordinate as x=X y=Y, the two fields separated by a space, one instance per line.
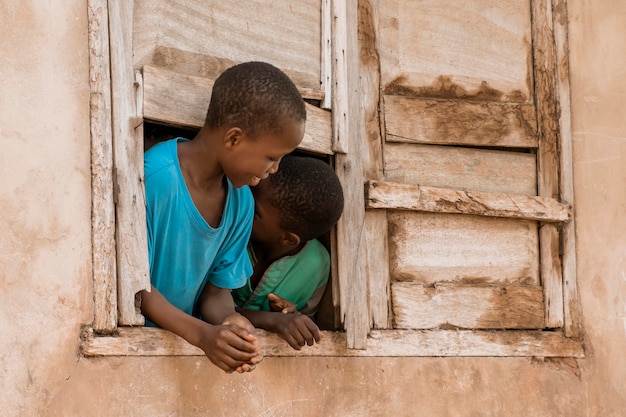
x=142 y=341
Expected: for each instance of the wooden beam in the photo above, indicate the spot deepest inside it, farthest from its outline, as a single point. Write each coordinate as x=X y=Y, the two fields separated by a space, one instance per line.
x=131 y=236
x=102 y=208
x=390 y=195
x=571 y=316
x=380 y=343
x=181 y=99
x=376 y=231
x=348 y=138
x=446 y=122
x=416 y=306
x=548 y=158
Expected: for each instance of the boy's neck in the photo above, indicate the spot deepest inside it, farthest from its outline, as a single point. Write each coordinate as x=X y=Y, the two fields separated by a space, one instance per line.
x=269 y=253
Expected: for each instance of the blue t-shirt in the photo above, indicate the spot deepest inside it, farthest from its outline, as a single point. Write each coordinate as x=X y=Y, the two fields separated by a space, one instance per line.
x=185 y=252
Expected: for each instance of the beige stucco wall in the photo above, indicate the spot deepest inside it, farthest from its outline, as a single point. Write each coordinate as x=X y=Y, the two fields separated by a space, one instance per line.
x=45 y=291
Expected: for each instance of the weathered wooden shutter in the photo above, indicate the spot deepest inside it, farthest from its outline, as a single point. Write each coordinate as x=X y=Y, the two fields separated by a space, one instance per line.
x=462 y=126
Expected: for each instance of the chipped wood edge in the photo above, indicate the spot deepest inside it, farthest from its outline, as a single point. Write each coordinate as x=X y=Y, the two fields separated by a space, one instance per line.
x=348 y=135
x=102 y=208
x=548 y=157
x=131 y=236
x=391 y=195
x=142 y=341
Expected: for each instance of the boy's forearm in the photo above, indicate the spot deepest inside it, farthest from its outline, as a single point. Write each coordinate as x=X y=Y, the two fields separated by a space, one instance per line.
x=158 y=310
x=260 y=319
x=215 y=304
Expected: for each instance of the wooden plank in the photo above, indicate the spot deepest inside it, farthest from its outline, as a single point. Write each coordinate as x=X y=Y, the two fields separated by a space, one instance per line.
x=380 y=343
x=461 y=168
x=326 y=81
x=377 y=254
x=477 y=50
x=286 y=34
x=348 y=133
x=102 y=208
x=571 y=317
x=416 y=306
x=548 y=152
x=389 y=195
x=206 y=66
x=446 y=122
x=131 y=236
x=433 y=247
x=183 y=100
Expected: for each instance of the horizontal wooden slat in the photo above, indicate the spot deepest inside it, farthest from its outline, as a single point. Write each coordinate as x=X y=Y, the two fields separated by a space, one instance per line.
x=461 y=168
x=143 y=341
x=447 y=122
x=209 y=66
x=388 y=195
x=434 y=247
x=481 y=51
x=286 y=34
x=416 y=306
x=182 y=99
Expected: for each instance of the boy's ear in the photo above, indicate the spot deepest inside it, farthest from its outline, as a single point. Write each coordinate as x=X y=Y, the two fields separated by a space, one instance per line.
x=233 y=137
x=291 y=239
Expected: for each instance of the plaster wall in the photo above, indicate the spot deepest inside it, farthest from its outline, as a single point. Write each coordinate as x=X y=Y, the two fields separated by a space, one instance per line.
x=45 y=261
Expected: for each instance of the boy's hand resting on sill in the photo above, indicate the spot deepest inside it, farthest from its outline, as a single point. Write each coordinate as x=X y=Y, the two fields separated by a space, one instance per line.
x=244 y=329
x=296 y=328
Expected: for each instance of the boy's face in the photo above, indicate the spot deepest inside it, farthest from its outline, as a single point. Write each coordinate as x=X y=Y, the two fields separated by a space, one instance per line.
x=255 y=158
x=266 y=226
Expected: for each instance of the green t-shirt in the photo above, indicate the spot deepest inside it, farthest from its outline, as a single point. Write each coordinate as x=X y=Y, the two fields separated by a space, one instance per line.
x=295 y=278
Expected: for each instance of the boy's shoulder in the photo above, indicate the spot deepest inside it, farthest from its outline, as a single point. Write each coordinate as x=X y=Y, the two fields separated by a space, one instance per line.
x=160 y=155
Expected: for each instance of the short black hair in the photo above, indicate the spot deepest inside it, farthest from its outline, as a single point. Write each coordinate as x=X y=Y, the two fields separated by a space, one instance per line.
x=254 y=96
x=308 y=194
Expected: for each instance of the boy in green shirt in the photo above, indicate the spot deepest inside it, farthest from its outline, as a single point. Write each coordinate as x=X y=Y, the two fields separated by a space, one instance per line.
x=300 y=202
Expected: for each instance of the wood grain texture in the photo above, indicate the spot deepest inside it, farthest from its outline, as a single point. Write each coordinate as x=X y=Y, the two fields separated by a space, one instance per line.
x=380 y=343
x=477 y=50
x=131 y=236
x=416 y=306
x=388 y=195
x=461 y=168
x=571 y=317
x=447 y=122
x=348 y=133
x=286 y=34
x=433 y=247
x=180 y=99
x=102 y=206
x=544 y=56
x=377 y=254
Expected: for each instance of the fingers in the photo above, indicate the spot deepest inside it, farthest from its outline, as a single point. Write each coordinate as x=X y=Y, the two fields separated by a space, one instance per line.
x=301 y=331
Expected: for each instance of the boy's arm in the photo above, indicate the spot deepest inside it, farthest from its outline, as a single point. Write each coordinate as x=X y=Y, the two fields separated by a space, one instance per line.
x=295 y=328
x=229 y=347
x=216 y=306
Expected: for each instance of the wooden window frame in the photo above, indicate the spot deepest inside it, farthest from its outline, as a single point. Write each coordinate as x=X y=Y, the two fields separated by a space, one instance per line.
x=362 y=304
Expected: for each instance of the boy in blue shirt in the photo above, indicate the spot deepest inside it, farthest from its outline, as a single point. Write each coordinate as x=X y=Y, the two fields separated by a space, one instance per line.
x=199 y=209
x=293 y=207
